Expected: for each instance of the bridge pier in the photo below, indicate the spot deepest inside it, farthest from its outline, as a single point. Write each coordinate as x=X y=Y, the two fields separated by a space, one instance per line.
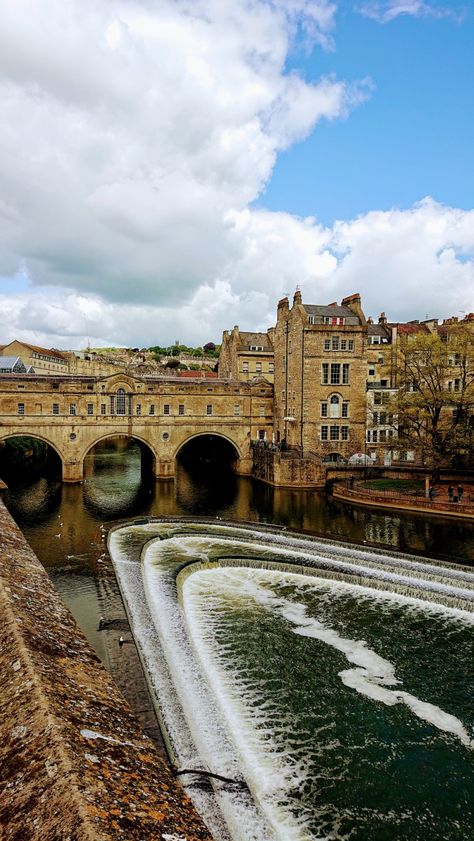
x=73 y=471
x=164 y=468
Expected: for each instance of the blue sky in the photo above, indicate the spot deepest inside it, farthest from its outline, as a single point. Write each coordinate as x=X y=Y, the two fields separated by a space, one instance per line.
x=169 y=169
x=413 y=137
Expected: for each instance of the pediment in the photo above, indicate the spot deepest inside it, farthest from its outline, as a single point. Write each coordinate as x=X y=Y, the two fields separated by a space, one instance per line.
x=119 y=380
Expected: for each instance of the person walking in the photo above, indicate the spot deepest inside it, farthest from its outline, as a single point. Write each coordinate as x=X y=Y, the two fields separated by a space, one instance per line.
x=460 y=492
x=450 y=493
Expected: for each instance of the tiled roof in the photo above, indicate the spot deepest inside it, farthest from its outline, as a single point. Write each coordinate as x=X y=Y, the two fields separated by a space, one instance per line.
x=331 y=309
x=410 y=329
x=51 y=352
x=378 y=330
x=258 y=339
x=45 y=351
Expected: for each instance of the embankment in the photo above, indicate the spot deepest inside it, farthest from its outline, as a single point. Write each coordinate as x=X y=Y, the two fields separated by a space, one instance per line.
x=74 y=763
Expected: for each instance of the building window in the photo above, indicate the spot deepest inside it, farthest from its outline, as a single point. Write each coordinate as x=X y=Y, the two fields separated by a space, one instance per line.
x=324 y=433
x=345 y=409
x=181 y=409
x=21 y=408
x=209 y=409
x=344 y=433
x=112 y=404
x=72 y=409
x=258 y=367
x=335 y=342
x=271 y=367
x=55 y=408
x=262 y=434
x=343 y=344
x=345 y=373
x=237 y=409
x=456 y=385
x=324 y=410
x=166 y=409
x=371 y=372
x=256 y=347
x=152 y=409
x=327 y=344
x=335 y=373
x=325 y=377
x=334 y=433
x=139 y=409
x=311 y=319
x=261 y=411
x=120 y=401
x=90 y=408
x=103 y=408
x=245 y=367
x=334 y=406
x=351 y=344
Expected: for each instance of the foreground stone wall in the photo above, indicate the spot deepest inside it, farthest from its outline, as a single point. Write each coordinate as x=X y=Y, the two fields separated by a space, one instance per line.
x=74 y=764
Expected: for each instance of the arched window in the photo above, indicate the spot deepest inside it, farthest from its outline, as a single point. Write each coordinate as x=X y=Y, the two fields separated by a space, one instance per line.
x=335 y=406
x=121 y=405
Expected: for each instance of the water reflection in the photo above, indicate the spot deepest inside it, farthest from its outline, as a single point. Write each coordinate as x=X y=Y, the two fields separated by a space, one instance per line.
x=62 y=522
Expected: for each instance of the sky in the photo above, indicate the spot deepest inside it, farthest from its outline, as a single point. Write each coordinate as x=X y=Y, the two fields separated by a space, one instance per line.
x=170 y=168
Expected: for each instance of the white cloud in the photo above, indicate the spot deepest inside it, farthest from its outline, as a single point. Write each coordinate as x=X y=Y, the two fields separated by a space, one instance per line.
x=384 y=11
x=132 y=128
x=409 y=263
x=136 y=135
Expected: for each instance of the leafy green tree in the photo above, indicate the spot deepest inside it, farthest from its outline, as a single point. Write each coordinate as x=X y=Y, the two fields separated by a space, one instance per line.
x=435 y=404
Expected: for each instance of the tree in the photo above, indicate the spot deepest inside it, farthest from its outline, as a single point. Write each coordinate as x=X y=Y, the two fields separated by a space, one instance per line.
x=435 y=401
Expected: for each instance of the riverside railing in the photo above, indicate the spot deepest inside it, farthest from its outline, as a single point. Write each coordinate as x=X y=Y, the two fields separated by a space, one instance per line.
x=414 y=498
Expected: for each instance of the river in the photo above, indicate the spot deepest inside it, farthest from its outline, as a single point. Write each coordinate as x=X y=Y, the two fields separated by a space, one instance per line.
x=349 y=732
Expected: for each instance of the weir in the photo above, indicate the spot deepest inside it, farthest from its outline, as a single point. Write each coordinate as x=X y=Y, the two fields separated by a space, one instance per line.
x=184 y=627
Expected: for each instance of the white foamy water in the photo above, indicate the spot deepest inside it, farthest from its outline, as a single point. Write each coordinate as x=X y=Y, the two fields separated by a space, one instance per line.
x=216 y=719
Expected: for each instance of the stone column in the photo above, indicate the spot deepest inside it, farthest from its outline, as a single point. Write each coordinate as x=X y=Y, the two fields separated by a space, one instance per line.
x=73 y=471
x=164 y=469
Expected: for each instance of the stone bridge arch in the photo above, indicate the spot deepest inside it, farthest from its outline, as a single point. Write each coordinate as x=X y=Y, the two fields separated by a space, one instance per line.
x=210 y=433
x=24 y=432
x=110 y=435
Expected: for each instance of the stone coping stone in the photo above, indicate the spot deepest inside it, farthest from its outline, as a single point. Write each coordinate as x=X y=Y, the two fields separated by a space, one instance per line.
x=74 y=763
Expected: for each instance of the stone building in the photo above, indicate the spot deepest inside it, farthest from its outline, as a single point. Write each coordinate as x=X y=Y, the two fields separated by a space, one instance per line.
x=320 y=377
x=42 y=360
x=246 y=355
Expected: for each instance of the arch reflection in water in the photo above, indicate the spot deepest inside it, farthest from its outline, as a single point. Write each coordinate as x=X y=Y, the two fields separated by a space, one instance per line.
x=320 y=660
x=118 y=478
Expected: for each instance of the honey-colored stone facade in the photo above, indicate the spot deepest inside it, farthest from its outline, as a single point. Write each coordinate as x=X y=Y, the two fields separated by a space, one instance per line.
x=73 y=413
x=320 y=378
x=244 y=356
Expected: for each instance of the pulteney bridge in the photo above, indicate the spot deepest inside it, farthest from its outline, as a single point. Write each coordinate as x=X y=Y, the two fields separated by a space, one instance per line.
x=73 y=413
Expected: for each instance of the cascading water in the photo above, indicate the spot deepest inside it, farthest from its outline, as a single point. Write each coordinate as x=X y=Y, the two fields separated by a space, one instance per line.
x=330 y=683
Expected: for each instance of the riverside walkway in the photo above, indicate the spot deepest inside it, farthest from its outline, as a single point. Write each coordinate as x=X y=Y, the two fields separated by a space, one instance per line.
x=416 y=501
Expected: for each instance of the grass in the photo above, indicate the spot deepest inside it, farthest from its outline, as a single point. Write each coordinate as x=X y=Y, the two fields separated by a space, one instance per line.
x=399 y=485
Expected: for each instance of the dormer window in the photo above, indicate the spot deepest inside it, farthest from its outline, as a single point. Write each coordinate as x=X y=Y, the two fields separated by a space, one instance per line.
x=256 y=347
